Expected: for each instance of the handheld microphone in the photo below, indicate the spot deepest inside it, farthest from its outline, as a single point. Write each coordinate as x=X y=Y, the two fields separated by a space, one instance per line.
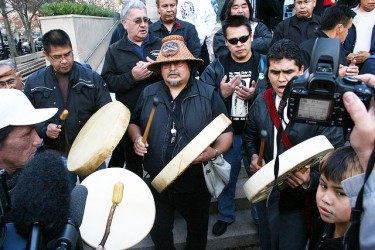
x=40 y=200
x=70 y=235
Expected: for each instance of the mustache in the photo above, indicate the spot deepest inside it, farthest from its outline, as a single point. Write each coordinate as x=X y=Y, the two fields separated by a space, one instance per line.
x=173 y=72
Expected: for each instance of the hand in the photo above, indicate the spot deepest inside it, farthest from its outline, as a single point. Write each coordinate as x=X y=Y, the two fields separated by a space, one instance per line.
x=362 y=138
x=361 y=56
x=254 y=167
x=139 y=147
x=53 y=130
x=227 y=88
x=149 y=59
x=206 y=155
x=297 y=179
x=245 y=93
x=140 y=71
x=100 y=248
x=350 y=57
x=351 y=70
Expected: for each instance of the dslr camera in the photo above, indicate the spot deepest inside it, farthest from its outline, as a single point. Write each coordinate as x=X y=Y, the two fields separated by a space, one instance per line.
x=316 y=97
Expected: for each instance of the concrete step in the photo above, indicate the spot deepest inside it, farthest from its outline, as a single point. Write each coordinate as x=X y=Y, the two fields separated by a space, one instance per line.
x=241 y=234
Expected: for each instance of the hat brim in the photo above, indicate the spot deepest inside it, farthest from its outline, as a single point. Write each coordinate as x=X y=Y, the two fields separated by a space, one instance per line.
x=34 y=116
x=155 y=66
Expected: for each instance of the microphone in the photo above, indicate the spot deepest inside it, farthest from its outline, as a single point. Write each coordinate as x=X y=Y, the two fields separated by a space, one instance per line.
x=70 y=235
x=40 y=200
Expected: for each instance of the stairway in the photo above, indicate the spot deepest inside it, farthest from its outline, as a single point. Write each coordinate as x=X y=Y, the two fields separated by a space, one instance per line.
x=242 y=234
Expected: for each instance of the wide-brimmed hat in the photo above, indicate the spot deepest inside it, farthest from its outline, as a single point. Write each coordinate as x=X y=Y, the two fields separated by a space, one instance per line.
x=174 y=49
x=17 y=110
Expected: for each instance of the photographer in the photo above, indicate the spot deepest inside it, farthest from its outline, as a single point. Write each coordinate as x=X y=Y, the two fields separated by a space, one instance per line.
x=362 y=140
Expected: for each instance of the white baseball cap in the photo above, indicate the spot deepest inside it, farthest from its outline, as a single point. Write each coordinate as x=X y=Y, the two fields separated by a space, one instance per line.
x=17 y=110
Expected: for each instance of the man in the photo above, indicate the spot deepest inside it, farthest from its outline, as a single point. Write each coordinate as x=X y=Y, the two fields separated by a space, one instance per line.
x=360 y=42
x=202 y=15
x=18 y=137
x=170 y=25
x=261 y=37
x=10 y=78
x=125 y=67
x=284 y=62
x=299 y=27
x=335 y=23
x=186 y=106
x=243 y=67
x=65 y=84
x=269 y=12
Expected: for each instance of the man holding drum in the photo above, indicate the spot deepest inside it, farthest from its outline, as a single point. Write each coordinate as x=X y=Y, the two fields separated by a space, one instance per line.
x=284 y=62
x=186 y=106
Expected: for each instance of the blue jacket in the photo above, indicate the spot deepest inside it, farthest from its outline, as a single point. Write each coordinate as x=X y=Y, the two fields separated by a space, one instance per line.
x=352 y=38
x=182 y=28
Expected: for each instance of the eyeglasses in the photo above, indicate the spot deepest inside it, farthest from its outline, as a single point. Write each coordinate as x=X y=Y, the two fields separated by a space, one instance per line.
x=140 y=20
x=242 y=39
x=305 y=2
x=177 y=64
x=59 y=58
x=9 y=83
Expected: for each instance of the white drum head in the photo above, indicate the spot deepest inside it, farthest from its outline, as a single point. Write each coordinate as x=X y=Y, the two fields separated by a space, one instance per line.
x=258 y=187
x=133 y=218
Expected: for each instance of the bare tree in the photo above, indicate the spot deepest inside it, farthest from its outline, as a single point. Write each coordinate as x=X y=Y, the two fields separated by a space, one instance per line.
x=4 y=13
x=27 y=11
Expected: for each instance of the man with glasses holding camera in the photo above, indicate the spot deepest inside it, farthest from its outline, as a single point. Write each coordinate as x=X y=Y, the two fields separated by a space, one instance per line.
x=299 y=27
x=65 y=84
x=125 y=67
x=238 y=76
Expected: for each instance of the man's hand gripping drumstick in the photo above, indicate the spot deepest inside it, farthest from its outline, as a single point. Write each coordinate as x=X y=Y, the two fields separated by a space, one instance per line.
x=53 y=130
x=118 y=191
x=257 y=160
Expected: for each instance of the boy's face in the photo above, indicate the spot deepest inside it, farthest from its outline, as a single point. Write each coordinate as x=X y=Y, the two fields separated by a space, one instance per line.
x=333 y=204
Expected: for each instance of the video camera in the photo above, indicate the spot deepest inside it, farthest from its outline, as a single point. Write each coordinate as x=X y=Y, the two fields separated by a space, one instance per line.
x=316 y=97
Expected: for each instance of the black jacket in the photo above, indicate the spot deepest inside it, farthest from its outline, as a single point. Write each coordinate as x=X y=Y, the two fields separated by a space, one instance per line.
x=307 y=49
x=120 y=58
x=200 y=105
x=215 y=72
x=262 y=40
x=87 y=93
x=182 y=28
x=258 y=119
x=290 y=29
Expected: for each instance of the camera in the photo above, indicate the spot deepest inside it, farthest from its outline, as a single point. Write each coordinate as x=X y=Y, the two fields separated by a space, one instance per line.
x=316 y=97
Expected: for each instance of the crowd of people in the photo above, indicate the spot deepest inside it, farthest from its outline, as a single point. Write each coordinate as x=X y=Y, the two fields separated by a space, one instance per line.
x=256 y=56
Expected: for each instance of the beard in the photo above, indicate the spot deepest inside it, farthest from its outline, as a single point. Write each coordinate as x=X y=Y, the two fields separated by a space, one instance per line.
x=174 y=83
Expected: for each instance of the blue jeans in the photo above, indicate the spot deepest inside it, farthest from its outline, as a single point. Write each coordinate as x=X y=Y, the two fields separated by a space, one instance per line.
x=292 y=233
x=226 y=203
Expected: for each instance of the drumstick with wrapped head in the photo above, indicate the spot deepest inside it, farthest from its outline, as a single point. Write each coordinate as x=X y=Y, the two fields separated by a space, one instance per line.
x=63 y=117
x=118 y=191
x=147 y=130
x=263 y=134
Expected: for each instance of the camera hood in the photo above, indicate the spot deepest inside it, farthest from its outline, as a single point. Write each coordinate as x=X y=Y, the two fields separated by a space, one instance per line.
x=325 y=56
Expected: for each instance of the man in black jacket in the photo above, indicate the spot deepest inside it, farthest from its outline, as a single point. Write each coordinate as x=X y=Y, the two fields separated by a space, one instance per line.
x=336 y=21
x=125 y=67
x=64 y=84
x=299 y=27
x=284 y=62
x=238 y=76
x=170 y=25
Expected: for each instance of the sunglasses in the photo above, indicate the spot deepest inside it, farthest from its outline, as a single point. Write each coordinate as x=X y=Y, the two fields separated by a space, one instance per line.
x=140 y=20
x=242 y=39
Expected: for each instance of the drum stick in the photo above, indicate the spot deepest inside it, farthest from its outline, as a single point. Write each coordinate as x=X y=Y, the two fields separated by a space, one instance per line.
x=63 y=116
x=263 y=134
x=154 y=104
x=118 y=190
